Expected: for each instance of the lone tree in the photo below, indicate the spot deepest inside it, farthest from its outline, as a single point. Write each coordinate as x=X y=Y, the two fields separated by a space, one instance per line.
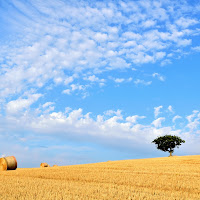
x=168 y=143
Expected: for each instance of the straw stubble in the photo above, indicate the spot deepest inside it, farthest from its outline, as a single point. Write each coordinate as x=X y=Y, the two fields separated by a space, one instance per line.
x=149 y=179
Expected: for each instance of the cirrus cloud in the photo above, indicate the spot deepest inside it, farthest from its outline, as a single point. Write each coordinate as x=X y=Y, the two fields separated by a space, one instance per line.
x=63 y=38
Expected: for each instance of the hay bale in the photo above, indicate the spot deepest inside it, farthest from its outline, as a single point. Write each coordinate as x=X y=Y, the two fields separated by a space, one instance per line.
x=55 y=165
x=3 y=164
x=44 y=165
x=8 y=163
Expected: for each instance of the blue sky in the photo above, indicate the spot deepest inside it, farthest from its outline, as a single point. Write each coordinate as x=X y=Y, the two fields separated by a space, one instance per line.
x=84 y=82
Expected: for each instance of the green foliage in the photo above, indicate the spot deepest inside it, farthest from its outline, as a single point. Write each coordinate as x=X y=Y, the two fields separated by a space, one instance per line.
x=168 y=143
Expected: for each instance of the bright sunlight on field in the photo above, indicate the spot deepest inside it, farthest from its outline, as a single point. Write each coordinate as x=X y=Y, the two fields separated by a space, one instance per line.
x=163 y=178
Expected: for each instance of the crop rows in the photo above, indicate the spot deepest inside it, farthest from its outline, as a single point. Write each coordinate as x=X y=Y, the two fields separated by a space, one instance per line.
x=157 y=178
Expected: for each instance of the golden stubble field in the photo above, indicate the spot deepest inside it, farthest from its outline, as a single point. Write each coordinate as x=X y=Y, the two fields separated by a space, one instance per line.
x=163 y=178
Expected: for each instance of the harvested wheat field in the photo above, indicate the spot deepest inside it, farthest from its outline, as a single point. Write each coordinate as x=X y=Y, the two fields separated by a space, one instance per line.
x=163 y=178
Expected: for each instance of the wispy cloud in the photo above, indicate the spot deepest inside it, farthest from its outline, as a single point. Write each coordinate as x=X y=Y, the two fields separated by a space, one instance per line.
x=61 y=38
x=18 y=105
x=157 y=111
x=142 y=82
x=175 y=118
x=197 y=48
x=157 y=122
x=133 y=119
x=121 y=80
x=158 y=76
x=193 y=120
x=170 y=109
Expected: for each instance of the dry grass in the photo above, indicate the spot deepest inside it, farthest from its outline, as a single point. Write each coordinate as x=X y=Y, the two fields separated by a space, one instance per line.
x=157 y=178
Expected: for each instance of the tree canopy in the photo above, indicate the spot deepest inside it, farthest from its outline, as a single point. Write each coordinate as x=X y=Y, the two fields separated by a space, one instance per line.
x=168 y=143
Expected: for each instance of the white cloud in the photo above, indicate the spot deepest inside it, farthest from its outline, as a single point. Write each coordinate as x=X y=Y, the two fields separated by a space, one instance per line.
x=194 y=125
x=67 y=109
x=186 y=22
x=111 y=53
x=132 y=35
x=47 y=104
x=184 y=42
x=101 y=37
x=158 y=76
x=65 y=39
x=119 y=80
x=15 y=106
x=113 y=112
x=129 y=79
x=175 y=118
x=47 y=107
x=157 y=122
x=141 y=57
x=192 y=116
x=130 y=44
x=68 y=80
x=197 y=48
x=133 y=119
x=67 y=91
x=58 y=80
x=101 y=84
x=73 y=123
x=75 y=87
x=142 y=82
x=193 y=120
x=93 y=78
x=148 y=23
x=166 y=62
x=118 y=63
x=160 y=55
x=170 y=109
x=157 y=111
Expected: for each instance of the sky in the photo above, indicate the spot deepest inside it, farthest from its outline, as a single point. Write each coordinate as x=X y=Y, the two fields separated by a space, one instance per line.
x=92 y=81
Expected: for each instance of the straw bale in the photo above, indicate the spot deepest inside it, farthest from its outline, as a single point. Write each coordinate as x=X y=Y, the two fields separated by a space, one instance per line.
x=44 y=165
x=11 y=162
x=3 y=164
x=8 y=163
x=55 y=165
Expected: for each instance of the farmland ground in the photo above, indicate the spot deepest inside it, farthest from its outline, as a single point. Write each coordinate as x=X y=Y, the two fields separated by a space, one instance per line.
x=166 y=178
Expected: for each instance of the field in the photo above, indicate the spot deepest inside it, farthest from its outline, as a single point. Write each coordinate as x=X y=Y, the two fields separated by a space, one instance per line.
x=163 y=178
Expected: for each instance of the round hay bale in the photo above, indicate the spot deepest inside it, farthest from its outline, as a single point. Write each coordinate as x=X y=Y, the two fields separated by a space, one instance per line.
x=55 y=165
x=8 y=163
x=3 y=164
x=44 y=165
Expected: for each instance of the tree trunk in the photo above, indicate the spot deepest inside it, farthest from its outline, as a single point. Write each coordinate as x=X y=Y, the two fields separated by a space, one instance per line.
x=170 y=153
